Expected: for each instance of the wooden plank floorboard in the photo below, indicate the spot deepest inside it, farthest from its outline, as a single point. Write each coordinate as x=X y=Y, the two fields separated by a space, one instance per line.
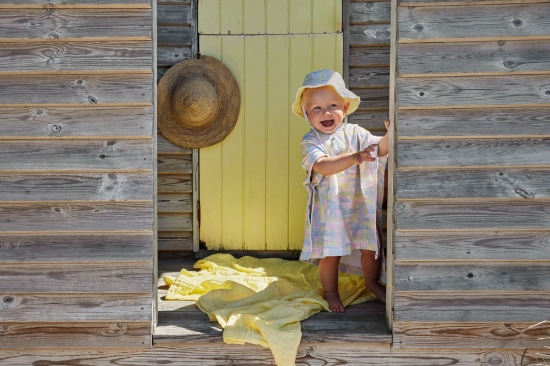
x=182 y=322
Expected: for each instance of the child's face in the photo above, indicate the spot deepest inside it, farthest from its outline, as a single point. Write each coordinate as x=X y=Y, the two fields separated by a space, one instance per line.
x=325 y=108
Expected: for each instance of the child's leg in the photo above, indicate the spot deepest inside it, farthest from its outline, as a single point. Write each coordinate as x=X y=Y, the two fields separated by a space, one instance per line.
x=371 y=273
x=328 y=274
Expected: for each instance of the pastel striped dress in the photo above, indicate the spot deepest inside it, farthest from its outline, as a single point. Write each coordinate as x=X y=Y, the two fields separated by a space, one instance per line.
x=344 y=209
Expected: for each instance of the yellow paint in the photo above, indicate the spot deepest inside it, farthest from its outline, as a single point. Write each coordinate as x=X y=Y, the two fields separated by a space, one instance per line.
x=251 y=189
x=269 y=17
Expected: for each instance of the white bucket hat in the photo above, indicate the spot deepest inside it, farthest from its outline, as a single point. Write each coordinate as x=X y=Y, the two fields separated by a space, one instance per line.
x=325 y=77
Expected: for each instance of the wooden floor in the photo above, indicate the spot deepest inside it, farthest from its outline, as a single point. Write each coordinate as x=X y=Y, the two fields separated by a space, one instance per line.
x=181 y=323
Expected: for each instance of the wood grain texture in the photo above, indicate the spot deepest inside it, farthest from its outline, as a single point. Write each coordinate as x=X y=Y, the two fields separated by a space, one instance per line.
x=75 y=247
x=369 y=34
x=474 y=57
x=24 y=307
x=377 y=56
x=58 y=335
x=71 y=216
x=174 y=36
x=165 y=146
x=88 y=89
x=66 y=122
x=177 y=183
x=169 y=241
x=474 y=122
x=369 y=120
x=477 y=214
x=168 y=56
x=464 y=246
x=54 y=24
x=438 y=23
x=100 y=3
x=68 y=187
x=471 y=307
x=71 y=56
x=472 y=183
x=204 y=355
x=369 y=77
x=474 y=152
x=76 y=155
x=168 y=221
x=472 y=276
x=467 y=335
x=81 y=278
x=368 y=12
x=174 y=202
x=373 y=98
x=169 y=13
x=474 y=91
x=174 y=164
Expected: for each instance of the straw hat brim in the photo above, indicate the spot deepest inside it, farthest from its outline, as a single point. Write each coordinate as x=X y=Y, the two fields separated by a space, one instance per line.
x=198 y=102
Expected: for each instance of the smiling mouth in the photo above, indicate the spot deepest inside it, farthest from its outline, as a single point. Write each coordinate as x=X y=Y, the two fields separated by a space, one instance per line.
x=327 y=123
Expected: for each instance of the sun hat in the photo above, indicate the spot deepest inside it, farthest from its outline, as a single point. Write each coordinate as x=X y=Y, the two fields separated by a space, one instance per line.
x=198 y=102
x=325 y=77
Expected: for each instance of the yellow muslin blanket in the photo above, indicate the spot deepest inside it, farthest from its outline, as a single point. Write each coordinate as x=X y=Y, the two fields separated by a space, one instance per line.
x=261 y=301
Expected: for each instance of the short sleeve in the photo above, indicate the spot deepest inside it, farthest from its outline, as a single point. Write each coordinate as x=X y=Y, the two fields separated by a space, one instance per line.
x=366 y=138
x=311 y=152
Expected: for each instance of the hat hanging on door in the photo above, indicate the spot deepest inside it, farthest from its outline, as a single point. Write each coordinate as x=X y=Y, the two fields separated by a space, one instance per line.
x=198 y=102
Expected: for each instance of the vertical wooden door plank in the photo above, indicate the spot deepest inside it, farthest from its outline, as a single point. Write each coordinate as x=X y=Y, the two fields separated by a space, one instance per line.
x=300 y=16
x=232 y=21
x=209 y=12
x=254 y=16
x=277 y=16
x=255 y=59
x=277 y=159
x=232 y=157
x=301 y=63
x=211 y=178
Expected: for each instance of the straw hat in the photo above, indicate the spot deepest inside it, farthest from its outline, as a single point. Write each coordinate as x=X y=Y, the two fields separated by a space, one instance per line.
x=198 y=102
x=325 y=77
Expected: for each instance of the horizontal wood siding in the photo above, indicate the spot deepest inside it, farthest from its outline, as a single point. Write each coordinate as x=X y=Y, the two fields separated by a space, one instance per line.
x=76 y=204
x=471 y=246
x=177 y=41
x=369 y=62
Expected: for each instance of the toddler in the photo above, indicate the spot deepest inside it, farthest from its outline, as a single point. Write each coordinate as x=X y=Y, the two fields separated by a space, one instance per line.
x=344 y=181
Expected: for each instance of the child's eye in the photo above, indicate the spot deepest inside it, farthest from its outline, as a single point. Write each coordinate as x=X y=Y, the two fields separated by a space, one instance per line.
x=333 y=105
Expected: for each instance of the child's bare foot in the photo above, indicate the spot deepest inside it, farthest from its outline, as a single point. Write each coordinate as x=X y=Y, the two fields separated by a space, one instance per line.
x=334 y=303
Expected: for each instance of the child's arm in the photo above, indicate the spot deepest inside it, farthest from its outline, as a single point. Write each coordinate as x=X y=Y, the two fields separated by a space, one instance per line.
x=335 y=164
x=383 y=144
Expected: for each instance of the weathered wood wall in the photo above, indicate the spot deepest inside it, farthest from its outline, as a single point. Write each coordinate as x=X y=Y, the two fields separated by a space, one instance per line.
x=368 y=61
x=472 y=257
x=76 y=174
x=177 y=40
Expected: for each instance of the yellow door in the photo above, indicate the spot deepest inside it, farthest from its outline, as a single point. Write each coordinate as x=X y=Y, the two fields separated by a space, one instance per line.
x=251 y=189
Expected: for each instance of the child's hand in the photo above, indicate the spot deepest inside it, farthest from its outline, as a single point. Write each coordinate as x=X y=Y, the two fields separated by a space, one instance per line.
x=387 y=124
x=365 y=155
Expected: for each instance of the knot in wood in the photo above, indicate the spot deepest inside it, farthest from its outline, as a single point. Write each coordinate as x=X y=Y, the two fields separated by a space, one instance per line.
x=53 y=35
x=5 y=327
x=39 y=112
x=470 y=275
x=369 y=5
x=517 y=22
x=494 y=360
x=418 y=27
x=92 y=100
x=8 y=299
x=309 y=350
x=55 y=128
x=501 y=43
x=400 y=206
x=79 y=82
x=510 y=64
x=421 y=94
x=547 y=92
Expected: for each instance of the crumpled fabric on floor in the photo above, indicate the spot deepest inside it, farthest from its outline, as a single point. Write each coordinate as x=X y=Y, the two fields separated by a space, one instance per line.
x=261 y=301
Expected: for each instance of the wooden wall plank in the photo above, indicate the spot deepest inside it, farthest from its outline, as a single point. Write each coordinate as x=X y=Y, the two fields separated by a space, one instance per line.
x=168 y=13
x=62 y=24
x=165 y=146
x=473 y=214
x=373 y=98
x=174 y=36
x=467 y=335
x=28 y=307
x=174 y=202
x=474 y=152
x=368 y=12
x=370 y=120
x=467 y=22
x=474 y=91
x=67 y=187
x=475 y=122
x=58 y=335
x=472 y=276
x=71 y=216
x=175 y=183
x=370 y=34
x=71 y=56
x=75 y=247
x=99 y=3
x=377 y=56
x=471 y=307
x=81 y=278
x=170 y=241
x=369 y=77
x=464 y=246
x=175 y=221
x=474 y=57
x=174 y=164
x=88 y=89
x=472 y=183
x=76 y=122
x=76 y=155
x=168 y=55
